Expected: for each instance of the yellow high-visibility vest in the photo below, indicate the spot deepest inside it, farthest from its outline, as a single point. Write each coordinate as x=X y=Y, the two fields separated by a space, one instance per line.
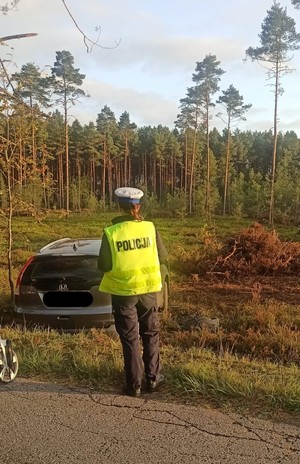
x=135 y=264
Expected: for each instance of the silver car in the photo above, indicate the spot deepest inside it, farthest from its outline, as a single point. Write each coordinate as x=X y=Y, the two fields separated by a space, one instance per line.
x=59 y=287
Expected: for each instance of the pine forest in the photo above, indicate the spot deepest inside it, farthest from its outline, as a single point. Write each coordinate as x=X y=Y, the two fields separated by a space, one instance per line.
x=51 y=161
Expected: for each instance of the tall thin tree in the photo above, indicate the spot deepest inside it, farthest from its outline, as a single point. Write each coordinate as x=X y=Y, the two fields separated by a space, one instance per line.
x=278 y=37
x=207 y=76
x=67 y=80
x=107 y=128
x=235 y=111
x=127 y=134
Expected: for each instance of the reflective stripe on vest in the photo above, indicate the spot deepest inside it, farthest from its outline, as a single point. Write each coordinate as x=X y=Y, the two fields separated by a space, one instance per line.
x=135 y=263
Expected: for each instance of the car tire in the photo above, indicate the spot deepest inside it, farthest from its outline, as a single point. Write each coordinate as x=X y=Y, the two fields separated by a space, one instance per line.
x=6 y=374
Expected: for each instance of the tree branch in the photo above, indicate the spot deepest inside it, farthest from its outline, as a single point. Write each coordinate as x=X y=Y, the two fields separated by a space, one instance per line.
x=89 y=43
x=17 y=36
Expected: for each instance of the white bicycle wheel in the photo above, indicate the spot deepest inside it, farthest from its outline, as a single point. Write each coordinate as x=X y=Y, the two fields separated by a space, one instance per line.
x=8 y=374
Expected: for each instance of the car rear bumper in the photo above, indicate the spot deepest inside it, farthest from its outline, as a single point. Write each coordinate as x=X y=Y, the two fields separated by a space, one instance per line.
x=66 y=322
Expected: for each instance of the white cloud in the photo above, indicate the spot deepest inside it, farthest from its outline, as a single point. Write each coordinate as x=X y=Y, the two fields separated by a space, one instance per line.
x=144 y=108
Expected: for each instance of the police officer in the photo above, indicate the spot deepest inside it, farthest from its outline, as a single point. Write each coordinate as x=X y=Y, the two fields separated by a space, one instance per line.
x=130 y=256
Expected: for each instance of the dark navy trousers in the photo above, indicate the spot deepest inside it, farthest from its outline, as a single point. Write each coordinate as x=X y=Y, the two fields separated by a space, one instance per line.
x=136 y=317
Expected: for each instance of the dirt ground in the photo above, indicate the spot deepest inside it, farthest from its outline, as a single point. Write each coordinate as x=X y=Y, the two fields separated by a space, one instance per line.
x=281 y=288
x=215 y=292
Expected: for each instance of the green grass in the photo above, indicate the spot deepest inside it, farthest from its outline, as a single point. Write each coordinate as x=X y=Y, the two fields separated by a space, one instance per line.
x=88 y=358
x=234 y=379
x=94 y=359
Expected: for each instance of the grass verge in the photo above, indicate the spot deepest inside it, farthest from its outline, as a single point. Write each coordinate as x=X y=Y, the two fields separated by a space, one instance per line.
x=250 y=364
x=94 y=359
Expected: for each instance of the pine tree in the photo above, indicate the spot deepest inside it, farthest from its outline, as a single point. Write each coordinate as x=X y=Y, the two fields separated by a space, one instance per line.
x=34 y=90
x=207 y=76
x=296 y=3
x=127 y=132
x=67 y=80
x=190 y=120
x=107 y=128
x=278 y=37
x=235 y=110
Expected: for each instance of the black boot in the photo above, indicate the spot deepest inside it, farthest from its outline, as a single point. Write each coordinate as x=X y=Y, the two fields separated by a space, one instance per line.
x=153 y=384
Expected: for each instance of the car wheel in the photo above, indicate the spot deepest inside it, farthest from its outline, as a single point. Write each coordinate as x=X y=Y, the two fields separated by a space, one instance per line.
x=8 y=374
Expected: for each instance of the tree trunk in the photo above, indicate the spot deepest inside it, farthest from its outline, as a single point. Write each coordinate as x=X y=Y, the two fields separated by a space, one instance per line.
x=103 y=175
x=191 y=189
x=109 y=180
x=271 y=211
x=226 y=178
x=60 y=181
x=79 y=181
x=126 y=170
x=186 y=163
x=207 y=197
x=67 y=156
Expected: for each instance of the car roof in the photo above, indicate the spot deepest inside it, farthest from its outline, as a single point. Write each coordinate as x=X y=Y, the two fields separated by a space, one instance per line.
x=72 y=247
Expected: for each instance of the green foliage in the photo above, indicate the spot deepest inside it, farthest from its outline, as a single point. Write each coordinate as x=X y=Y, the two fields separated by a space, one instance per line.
x=32 y=86
x=207 y=76
x=237 y=195
x=287 y=189
x=74 y=197
x=234 y=104
x=200 y=196
x=151 y=206
x=196 y=258
x=93 y=204
x=31 y=194
x=67 y=77
x=296 y=3
x=175 y=205
x=278 y=36
x=255 y=196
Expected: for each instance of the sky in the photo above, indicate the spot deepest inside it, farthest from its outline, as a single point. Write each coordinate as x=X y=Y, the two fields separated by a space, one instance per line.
x=148 y=53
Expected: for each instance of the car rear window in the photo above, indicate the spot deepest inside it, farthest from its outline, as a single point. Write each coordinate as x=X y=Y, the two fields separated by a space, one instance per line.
x=61 y=266
x=54 y=268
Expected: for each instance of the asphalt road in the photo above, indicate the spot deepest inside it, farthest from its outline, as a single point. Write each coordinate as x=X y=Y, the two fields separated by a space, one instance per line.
x=49 y=423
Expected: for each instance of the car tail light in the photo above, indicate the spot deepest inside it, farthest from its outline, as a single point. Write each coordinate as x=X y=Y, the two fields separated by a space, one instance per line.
x=21 y=273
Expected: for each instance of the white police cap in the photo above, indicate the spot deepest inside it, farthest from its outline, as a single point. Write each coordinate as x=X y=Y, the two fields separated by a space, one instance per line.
x=128 y=195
